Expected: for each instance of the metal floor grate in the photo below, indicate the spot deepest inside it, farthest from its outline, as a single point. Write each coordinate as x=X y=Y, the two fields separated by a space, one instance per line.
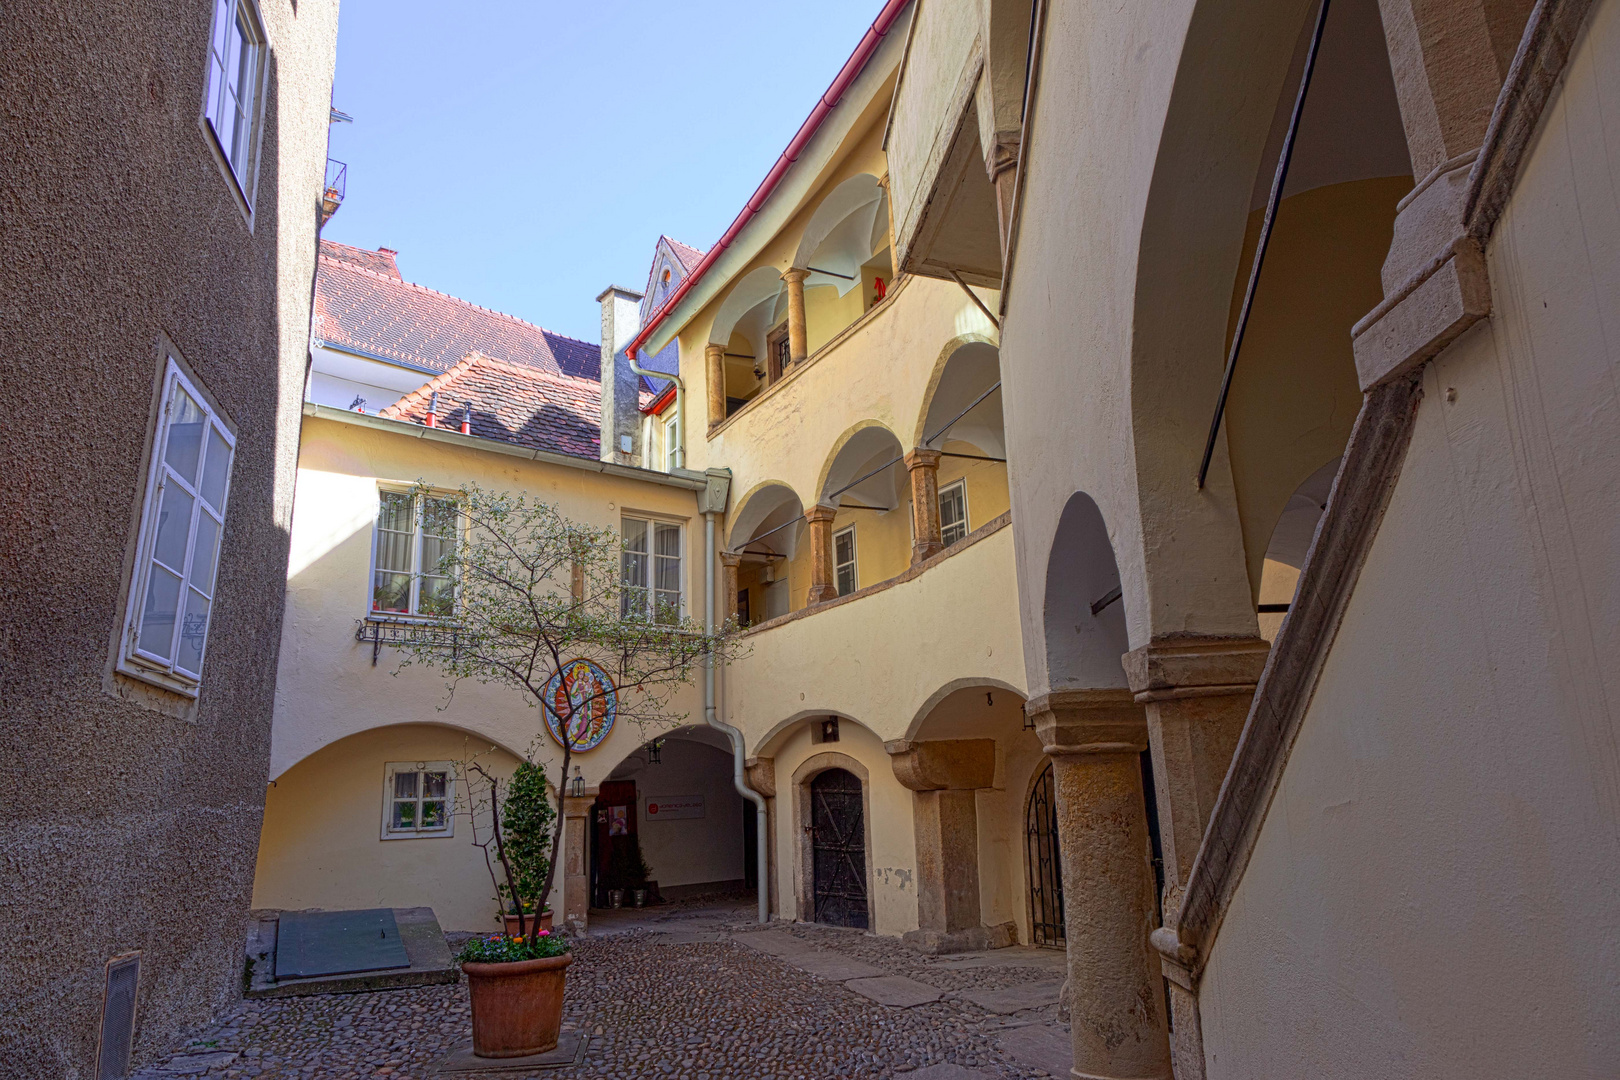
x=118 y=1017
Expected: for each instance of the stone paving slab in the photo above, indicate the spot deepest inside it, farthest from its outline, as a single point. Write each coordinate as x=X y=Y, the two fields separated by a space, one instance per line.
x=947 y=1071
x=833 y=966
x=1016 y=956
x=776 y=943
x=1039 y=1046
x=462 y=1061
x=685 y=937
x=896 y=991
x=196 y=1064
x=1015 y=998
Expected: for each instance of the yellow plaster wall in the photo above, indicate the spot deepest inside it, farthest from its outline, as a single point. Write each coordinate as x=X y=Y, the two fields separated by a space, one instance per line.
x=321 y=844
x=1295 y=394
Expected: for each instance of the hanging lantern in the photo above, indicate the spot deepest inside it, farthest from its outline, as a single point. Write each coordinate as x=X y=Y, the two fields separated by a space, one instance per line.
x=655 y=752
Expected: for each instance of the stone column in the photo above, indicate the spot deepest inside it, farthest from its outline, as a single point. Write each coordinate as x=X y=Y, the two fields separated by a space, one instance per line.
x=1001 y=163
x=729 y=563
x=822 y=585
x=576 y=875
x=761 y=777
x=715 y=368
x=924 y=467
x=1197 y=698
x=1117 y=1021
x=1448 y=59
x=943 y=776
x=798 y=340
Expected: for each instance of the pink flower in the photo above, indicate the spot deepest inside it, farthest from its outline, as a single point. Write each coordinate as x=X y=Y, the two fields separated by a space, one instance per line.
x=545 y=933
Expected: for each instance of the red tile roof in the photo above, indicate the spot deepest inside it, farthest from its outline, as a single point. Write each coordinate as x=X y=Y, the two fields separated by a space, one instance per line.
x=381 y=260
x=374 y=311
x=512 y=403
x=689 y=256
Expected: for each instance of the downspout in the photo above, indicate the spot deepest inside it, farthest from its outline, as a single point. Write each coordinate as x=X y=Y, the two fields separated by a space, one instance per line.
x=680 y=394
x=714 y=501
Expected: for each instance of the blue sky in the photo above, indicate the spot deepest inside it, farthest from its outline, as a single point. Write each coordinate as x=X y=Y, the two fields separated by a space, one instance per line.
x=526 y=155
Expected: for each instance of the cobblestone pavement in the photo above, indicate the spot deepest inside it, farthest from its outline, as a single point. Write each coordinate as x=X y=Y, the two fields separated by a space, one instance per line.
x=706 y=1010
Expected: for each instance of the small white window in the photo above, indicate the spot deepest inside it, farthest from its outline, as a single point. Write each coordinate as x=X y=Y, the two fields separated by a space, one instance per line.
x=171 y=598
x=235 y=72
x=672 y=441
x=844 y=561
x=415 y=536
x=652 y=571
x=953 y=515
x=417 y=799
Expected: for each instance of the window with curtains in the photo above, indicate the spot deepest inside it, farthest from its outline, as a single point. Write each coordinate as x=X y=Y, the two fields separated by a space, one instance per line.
x=171 y=598
x=652 y=571
x=415 y=536
x=844 y=572
x=417 y=799
x=953 y=515
x=235 y=77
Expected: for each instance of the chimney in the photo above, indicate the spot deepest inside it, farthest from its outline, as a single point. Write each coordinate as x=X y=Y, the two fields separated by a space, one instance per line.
x=466 y=418
x=433 y=409
x=621 y=387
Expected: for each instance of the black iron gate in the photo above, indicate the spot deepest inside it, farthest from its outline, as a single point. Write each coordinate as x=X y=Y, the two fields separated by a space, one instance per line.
x=838 y=844
x=1044 y=864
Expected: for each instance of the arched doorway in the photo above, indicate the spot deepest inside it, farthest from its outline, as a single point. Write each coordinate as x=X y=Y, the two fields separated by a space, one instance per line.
x=1044 y=863
x=838 y=849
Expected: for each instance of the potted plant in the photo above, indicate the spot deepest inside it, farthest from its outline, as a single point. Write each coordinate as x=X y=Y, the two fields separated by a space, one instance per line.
x=541 y=605
x=527 y=817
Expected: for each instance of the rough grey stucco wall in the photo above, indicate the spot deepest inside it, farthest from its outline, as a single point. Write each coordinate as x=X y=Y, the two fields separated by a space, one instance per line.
x=132 y=822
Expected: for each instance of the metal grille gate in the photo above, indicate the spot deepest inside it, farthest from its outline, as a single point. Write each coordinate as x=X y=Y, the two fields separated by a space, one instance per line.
x=838 y=845
x=1044 y=864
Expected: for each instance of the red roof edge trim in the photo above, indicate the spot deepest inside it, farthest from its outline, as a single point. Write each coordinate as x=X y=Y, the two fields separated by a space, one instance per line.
x=824 y=107
x=661 y=402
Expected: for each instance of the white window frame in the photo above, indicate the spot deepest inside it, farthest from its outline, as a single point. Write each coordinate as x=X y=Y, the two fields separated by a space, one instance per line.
x=653 y=522
x=146 y=663
x=414 y=614
x=390 y=769
x=239 y=163
x=672 y=440
x=853 y=563
x=954 y=487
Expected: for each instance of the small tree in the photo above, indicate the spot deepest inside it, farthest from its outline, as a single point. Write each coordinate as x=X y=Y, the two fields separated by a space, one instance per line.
x=527 y=819
x=534 y=592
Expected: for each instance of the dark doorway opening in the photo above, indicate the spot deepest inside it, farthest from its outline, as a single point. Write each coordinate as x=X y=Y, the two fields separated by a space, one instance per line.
x=750 y=843
x=838 y=847
x=613 y=825
x=1044 y=863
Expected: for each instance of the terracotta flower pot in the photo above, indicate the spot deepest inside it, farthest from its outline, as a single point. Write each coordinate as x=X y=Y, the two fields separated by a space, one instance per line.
x=517 y=1006
x=528 y=918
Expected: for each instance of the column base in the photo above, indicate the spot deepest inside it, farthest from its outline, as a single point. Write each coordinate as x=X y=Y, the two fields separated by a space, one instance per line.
x=973 y=939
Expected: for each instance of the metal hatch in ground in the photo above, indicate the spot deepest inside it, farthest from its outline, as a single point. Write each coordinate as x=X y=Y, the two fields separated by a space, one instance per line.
x=312 y=943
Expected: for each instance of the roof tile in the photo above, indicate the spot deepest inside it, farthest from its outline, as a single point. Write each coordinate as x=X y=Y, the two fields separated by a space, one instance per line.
x=512 y=403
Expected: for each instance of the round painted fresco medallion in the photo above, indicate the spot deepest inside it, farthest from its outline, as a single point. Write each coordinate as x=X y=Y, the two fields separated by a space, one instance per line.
x=585 y=691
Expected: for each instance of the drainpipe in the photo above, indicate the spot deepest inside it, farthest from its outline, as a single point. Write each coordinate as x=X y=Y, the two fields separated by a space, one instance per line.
x=680 y=417
x=714 y=501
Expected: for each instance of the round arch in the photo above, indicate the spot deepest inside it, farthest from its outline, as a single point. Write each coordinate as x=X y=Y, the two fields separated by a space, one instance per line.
x=767 y=504
x=1084 y=614
x=863 y=447
x=930 y=703
x=754 y=288
x=480 y=736
x=769 y=743
x=847 y=218
x=967 y=366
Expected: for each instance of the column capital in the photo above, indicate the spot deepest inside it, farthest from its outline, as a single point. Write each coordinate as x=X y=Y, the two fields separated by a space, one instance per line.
x=795 y=274
x=923 y=458
x=1101 y=721
x=941 y=764
x=578 y=806
x=1206 y=667
x=1003 y=153
x=820 y=514
x=731 y=558
x=711 y=349
x=761 y=773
